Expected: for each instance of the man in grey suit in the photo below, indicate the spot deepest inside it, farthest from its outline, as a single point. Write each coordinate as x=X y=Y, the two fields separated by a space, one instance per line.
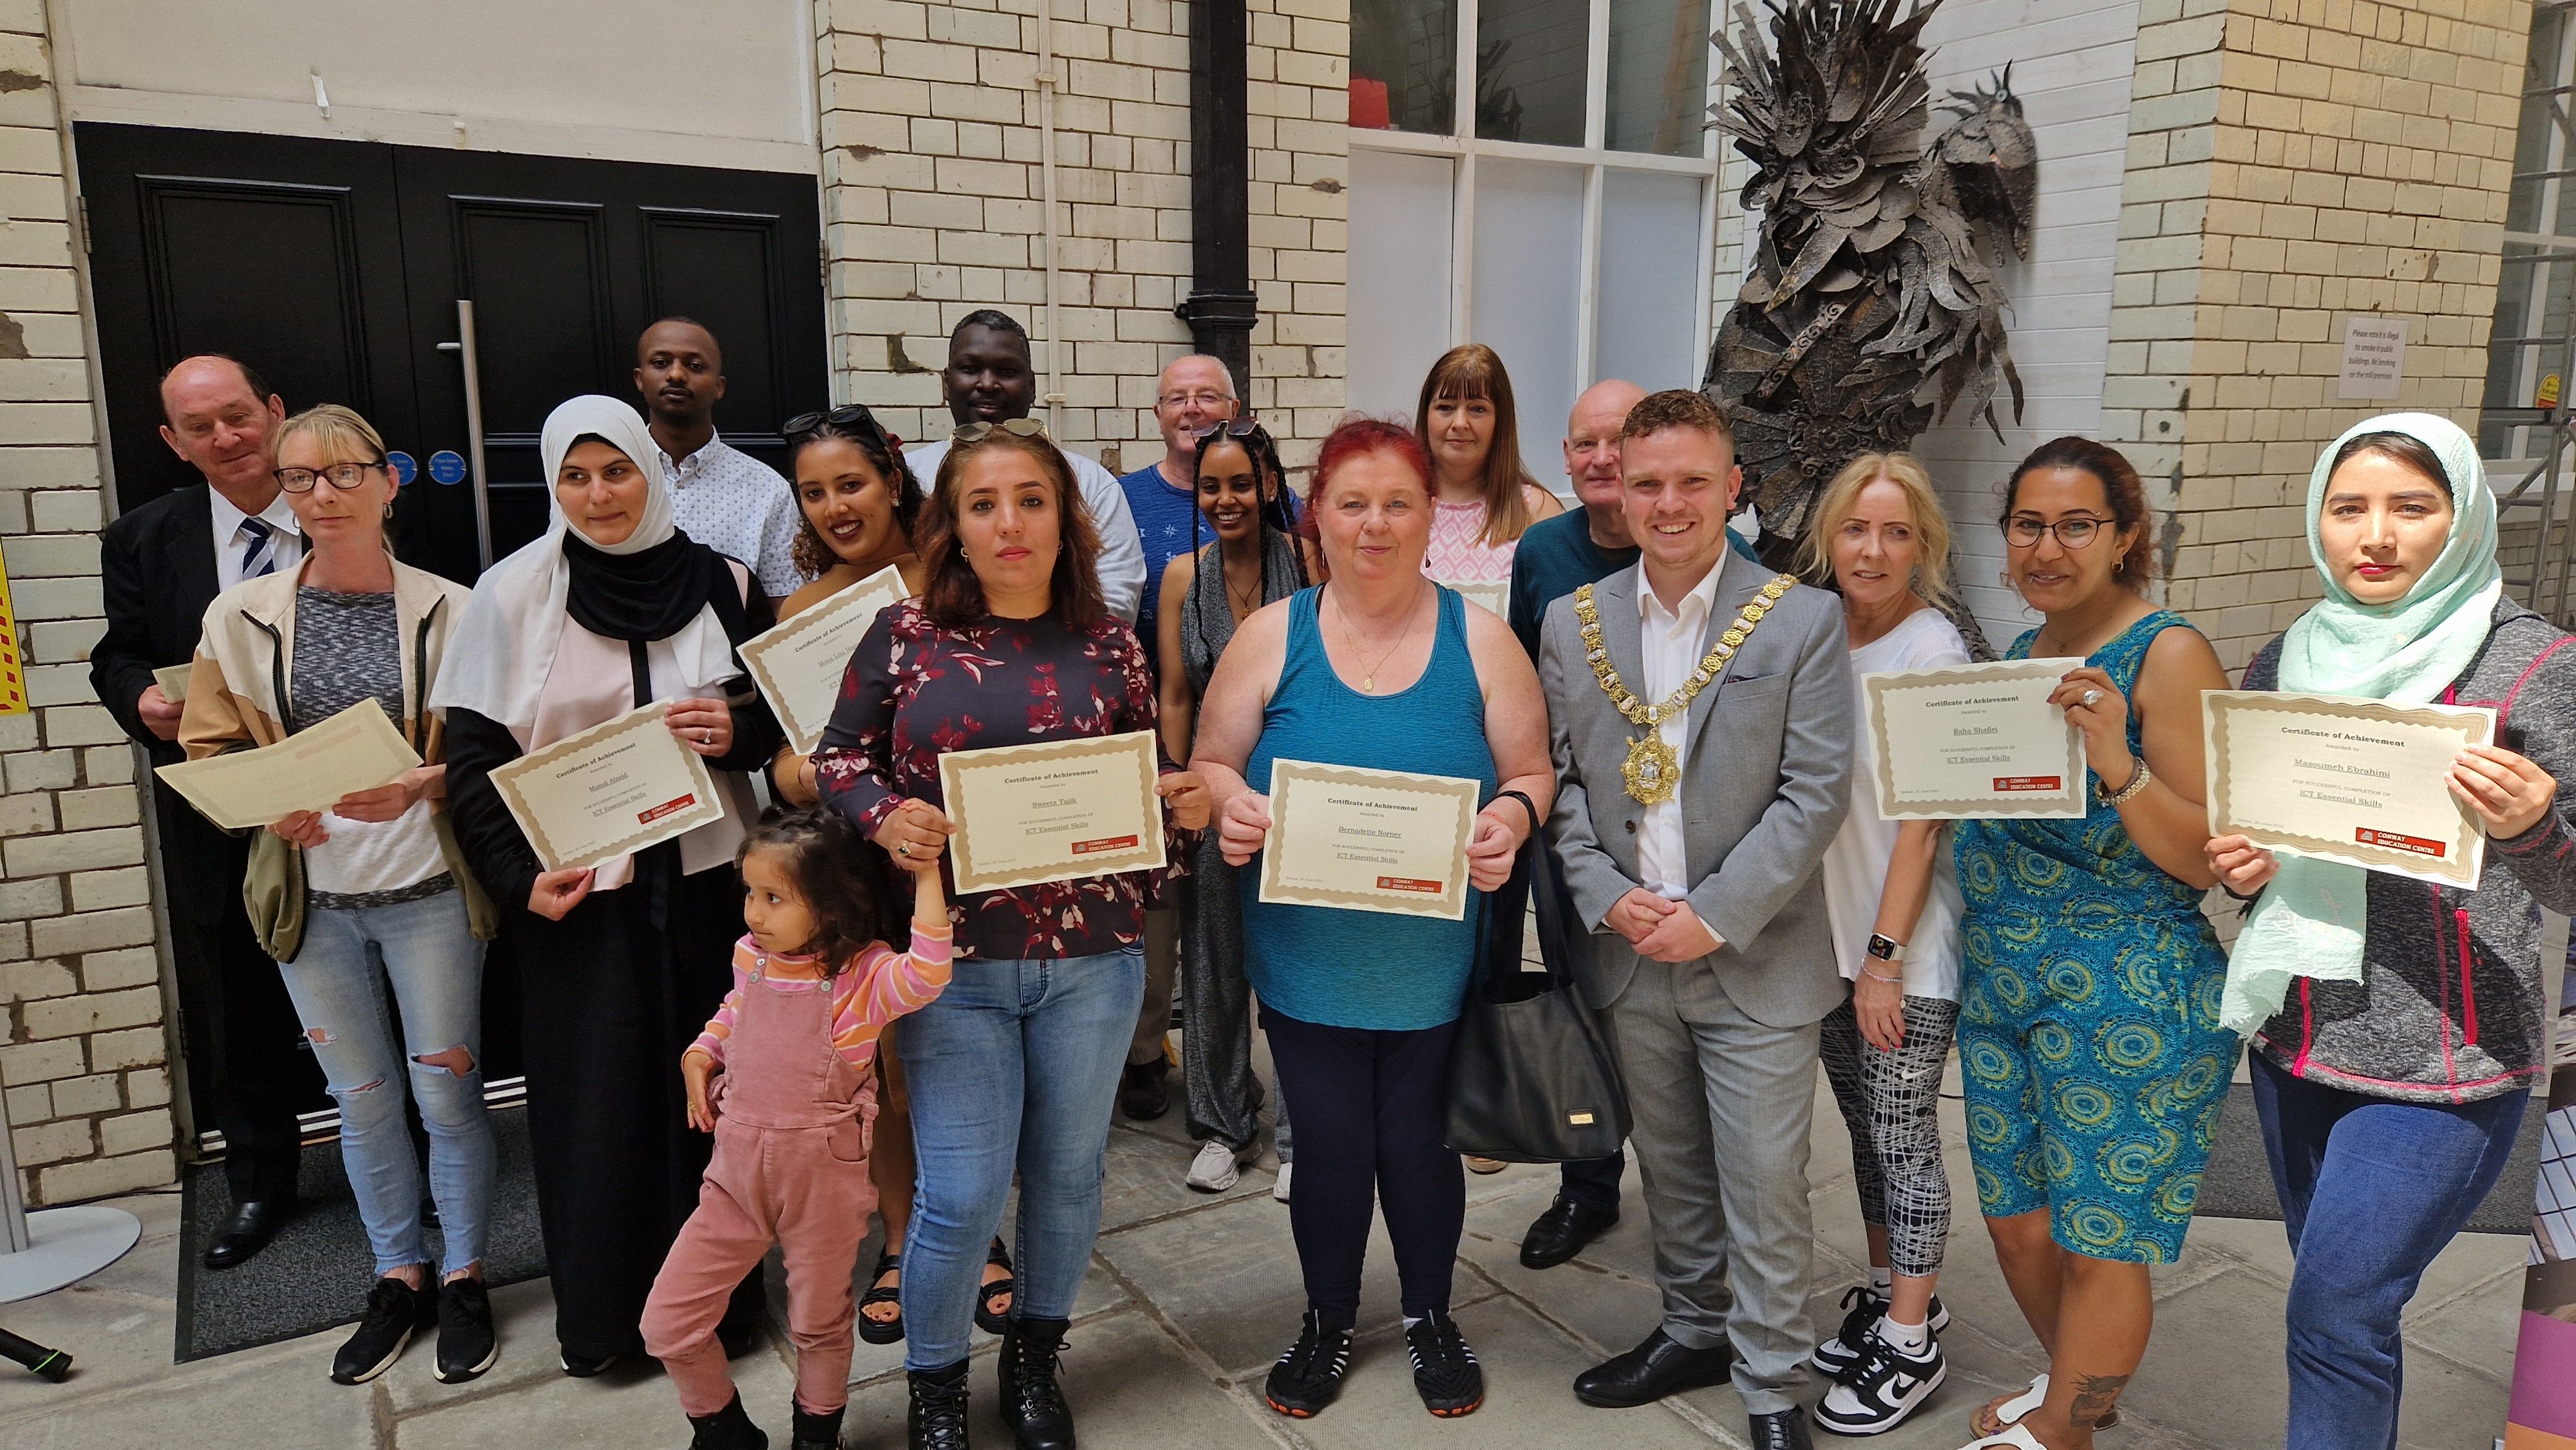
x=1701 y=717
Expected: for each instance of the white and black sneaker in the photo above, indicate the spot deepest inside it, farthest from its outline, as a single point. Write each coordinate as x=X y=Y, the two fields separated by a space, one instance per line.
x=1882 y=1387
x=1308 y=1378
x=394 y=1311
x=1445 y=1372
x=1865 y=1306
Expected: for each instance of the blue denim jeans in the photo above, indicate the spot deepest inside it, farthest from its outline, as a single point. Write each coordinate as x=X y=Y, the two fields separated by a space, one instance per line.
x=1014 y=1067
x=2375 y=1188
x=425 y=952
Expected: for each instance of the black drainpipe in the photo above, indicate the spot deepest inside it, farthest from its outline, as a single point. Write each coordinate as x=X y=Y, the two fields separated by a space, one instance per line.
x=1221 y=307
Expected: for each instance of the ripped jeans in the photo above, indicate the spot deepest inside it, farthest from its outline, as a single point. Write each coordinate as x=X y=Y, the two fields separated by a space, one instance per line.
x=424 y=950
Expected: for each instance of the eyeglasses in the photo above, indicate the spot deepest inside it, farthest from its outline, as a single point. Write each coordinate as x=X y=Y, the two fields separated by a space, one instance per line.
x=2023 y=533
x=1242 y=427
x=1183 y=400
x=343 y=476
x=848 y=415
x=1016 y=427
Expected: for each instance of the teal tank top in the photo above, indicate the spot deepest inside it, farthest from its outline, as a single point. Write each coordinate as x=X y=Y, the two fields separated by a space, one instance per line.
x=1366 y=969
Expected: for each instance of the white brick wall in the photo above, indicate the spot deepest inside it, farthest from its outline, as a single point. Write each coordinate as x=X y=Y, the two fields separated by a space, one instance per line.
x=82 y=1043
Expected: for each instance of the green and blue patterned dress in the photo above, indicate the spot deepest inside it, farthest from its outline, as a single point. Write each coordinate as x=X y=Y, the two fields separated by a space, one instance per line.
x=2088 y=1018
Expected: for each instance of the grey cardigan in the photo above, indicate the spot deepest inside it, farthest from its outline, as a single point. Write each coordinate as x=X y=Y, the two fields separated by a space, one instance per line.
x=2449 y=1008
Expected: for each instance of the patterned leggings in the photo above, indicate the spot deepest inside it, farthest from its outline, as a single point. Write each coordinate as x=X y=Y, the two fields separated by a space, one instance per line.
x=1891 y=1102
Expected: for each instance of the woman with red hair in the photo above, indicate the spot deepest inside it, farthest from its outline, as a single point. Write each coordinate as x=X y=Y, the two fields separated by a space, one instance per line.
x=1383 y=669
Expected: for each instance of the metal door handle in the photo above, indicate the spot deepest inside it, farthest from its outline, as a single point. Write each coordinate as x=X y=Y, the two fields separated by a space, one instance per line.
x=464 y=348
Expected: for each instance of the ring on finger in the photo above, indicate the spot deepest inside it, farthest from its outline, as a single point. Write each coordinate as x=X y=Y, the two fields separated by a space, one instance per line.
x=2092 y=697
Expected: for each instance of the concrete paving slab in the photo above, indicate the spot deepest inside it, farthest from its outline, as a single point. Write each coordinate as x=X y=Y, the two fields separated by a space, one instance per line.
x=239 y=1400
x=631 y=1405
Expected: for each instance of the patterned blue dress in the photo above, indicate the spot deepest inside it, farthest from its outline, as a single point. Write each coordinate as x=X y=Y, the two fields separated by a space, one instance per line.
x=2088 y=1018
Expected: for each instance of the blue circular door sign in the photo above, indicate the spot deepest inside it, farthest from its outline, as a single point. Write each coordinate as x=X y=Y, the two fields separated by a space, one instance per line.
x=405 y=467
x=447 y=466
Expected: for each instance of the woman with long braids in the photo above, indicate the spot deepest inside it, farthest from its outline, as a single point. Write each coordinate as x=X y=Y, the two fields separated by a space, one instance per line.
x=1255 y=559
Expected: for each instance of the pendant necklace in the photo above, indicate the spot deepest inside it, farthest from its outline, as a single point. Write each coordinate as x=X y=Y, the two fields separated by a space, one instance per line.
x=1368 y=671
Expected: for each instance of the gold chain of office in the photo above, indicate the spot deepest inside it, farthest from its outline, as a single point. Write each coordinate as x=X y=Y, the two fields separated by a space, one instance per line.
x=1652 y=771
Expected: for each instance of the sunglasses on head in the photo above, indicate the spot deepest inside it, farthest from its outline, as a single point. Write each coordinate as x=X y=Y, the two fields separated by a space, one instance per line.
x=848 y=415
x=1017 y=427
x=1237 y=427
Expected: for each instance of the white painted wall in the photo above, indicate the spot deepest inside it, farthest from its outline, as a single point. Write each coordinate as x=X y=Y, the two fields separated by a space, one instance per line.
x=695 y=82
x=2071 y=67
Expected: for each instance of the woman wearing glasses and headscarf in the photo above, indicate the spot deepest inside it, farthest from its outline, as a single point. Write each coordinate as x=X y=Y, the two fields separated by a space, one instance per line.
x=611 y=609
x=2398 y=1026
x=1015 y=1067
x=370 y=897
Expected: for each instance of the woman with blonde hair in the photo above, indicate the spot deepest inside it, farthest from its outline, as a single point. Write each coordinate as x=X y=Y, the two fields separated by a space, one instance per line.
x=1483 y=500
x=1892 y=897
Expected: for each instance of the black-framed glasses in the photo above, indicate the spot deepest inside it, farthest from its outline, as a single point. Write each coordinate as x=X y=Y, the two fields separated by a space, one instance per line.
x=848 y=415
x=1016 y=427
x=343 y=476
x=1238 y=427
x=2076 y=533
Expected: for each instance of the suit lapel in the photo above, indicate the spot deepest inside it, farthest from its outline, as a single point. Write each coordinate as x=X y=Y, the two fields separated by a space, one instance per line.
x=1621 y=634
x=1737 y=583
x=189 y=555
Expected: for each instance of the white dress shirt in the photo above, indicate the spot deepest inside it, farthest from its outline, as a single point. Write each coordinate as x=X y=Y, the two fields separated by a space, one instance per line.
x=738 y=506
x=1122 y=551
x=1672 y=643
x=232 y=551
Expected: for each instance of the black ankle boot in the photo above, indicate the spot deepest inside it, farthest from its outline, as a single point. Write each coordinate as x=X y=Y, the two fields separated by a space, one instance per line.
x=1032 y=1402
x=937 y=1417
x=727 y=1429
x=817 y=1432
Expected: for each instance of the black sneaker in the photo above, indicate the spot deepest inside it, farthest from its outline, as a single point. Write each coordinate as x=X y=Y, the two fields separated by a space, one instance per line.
x=1867 y=1306
x=393 y=1312
x=584 y=1366
x=1882 y=1387
x=466 y=1344
x=1445 y=1372
x=1309 y=1376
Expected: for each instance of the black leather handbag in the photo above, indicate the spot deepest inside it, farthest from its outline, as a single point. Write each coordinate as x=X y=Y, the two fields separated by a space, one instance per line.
x=1531 y=1077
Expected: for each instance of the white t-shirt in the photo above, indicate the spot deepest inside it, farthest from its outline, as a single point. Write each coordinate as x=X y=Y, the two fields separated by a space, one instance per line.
x=1122 y=552
x=1855 y=865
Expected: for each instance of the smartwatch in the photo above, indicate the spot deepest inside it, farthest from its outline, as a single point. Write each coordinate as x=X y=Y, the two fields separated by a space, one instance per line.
x=1886 y=949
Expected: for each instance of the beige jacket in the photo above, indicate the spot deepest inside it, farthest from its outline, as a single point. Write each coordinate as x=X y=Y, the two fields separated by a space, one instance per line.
x=237 y=694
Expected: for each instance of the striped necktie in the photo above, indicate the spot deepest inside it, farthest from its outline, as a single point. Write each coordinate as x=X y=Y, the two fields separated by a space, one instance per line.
x=261 y=557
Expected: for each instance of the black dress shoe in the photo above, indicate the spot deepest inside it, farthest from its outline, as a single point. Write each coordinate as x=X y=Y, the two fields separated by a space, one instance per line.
x=1652 y=1370
x=1562 y=1232
x=247 y=1231
x=1142 y=1094
x=1780 y=1430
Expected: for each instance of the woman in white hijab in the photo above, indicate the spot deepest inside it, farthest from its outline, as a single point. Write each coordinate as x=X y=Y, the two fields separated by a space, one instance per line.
x=620 y=963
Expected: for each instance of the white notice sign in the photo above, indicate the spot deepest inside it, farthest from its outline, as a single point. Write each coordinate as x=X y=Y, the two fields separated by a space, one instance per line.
x=2374 y=358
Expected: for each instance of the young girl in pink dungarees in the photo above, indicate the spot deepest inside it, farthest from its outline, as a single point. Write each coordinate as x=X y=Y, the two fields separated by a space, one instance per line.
x=792 y=1102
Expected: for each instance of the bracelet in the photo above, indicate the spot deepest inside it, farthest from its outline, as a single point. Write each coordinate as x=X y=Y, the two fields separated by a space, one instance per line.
x=1898 y=979
x=2137 y=782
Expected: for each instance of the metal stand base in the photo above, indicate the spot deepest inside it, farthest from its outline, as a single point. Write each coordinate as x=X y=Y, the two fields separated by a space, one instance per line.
x=68 y=1245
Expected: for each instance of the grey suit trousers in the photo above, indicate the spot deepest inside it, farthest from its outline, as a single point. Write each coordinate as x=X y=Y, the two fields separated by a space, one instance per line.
x=1723 y=1105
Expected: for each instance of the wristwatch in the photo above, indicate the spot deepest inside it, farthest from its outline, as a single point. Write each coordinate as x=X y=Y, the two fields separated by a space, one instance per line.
x=1886 y=949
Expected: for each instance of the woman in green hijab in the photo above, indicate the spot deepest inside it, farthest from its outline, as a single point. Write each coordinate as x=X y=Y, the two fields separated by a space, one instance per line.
x=2398 y=1026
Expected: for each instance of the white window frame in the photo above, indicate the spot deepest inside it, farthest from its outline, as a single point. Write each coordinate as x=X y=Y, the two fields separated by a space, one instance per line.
x=2551 y=250
x=1464 y=147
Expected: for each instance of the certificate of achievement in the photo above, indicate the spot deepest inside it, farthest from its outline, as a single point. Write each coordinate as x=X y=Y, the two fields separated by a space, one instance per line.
x=173 y=681
x=1053 y=811
x=1494 y=594
x=609 y=791
x=357 y=749
x=798 y=665
x=1368 y=840
x=1975 y=742
x=2356 y=781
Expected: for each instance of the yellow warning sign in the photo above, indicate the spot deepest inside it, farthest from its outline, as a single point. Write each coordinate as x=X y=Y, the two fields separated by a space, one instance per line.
x=13 y=671
x=2547 y=396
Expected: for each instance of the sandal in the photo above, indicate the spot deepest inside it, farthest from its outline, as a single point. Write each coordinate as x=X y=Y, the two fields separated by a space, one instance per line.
x=1997 y=1417
x=987 y=1317
x=883 y=1331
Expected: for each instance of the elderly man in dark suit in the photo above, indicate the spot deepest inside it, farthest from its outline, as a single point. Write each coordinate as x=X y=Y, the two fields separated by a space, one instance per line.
x=160 y=566
x=1701 y=718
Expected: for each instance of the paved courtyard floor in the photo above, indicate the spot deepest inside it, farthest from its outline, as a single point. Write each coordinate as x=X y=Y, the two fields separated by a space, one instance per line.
x=1189 y=1299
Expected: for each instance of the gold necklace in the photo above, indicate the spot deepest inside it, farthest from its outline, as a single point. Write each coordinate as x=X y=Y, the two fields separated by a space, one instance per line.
x=1368 y=672
x=1652 y=771
x=1246 y=602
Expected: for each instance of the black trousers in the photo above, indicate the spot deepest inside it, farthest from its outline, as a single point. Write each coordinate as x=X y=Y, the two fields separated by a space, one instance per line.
x=248 y=1074
x=1378 y=1103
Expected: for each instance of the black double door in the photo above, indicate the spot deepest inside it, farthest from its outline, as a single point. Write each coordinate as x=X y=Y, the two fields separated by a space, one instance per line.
x=334 y=269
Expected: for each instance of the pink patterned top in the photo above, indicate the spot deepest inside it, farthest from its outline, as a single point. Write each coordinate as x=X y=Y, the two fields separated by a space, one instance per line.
x=877 y=987
x=1458 y=549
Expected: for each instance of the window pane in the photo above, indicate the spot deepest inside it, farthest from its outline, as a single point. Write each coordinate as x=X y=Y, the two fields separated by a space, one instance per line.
x=1529 y=70
x=1399 y=275
x=1404 y=64
x=1658 y=76
x=1649 y=258
x=1528 y=257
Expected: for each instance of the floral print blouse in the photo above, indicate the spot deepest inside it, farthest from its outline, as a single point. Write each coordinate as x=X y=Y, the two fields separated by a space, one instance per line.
x=915 y=690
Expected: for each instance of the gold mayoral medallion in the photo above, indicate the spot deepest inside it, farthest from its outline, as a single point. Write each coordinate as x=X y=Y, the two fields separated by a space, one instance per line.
x=1652 y=771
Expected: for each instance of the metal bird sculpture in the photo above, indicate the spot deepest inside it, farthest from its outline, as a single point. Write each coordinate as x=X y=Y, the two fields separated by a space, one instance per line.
x=1872 y=308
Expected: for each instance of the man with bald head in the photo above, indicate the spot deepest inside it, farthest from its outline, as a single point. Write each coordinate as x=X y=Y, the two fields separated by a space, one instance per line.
x=720 y=496
x=159 y=567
